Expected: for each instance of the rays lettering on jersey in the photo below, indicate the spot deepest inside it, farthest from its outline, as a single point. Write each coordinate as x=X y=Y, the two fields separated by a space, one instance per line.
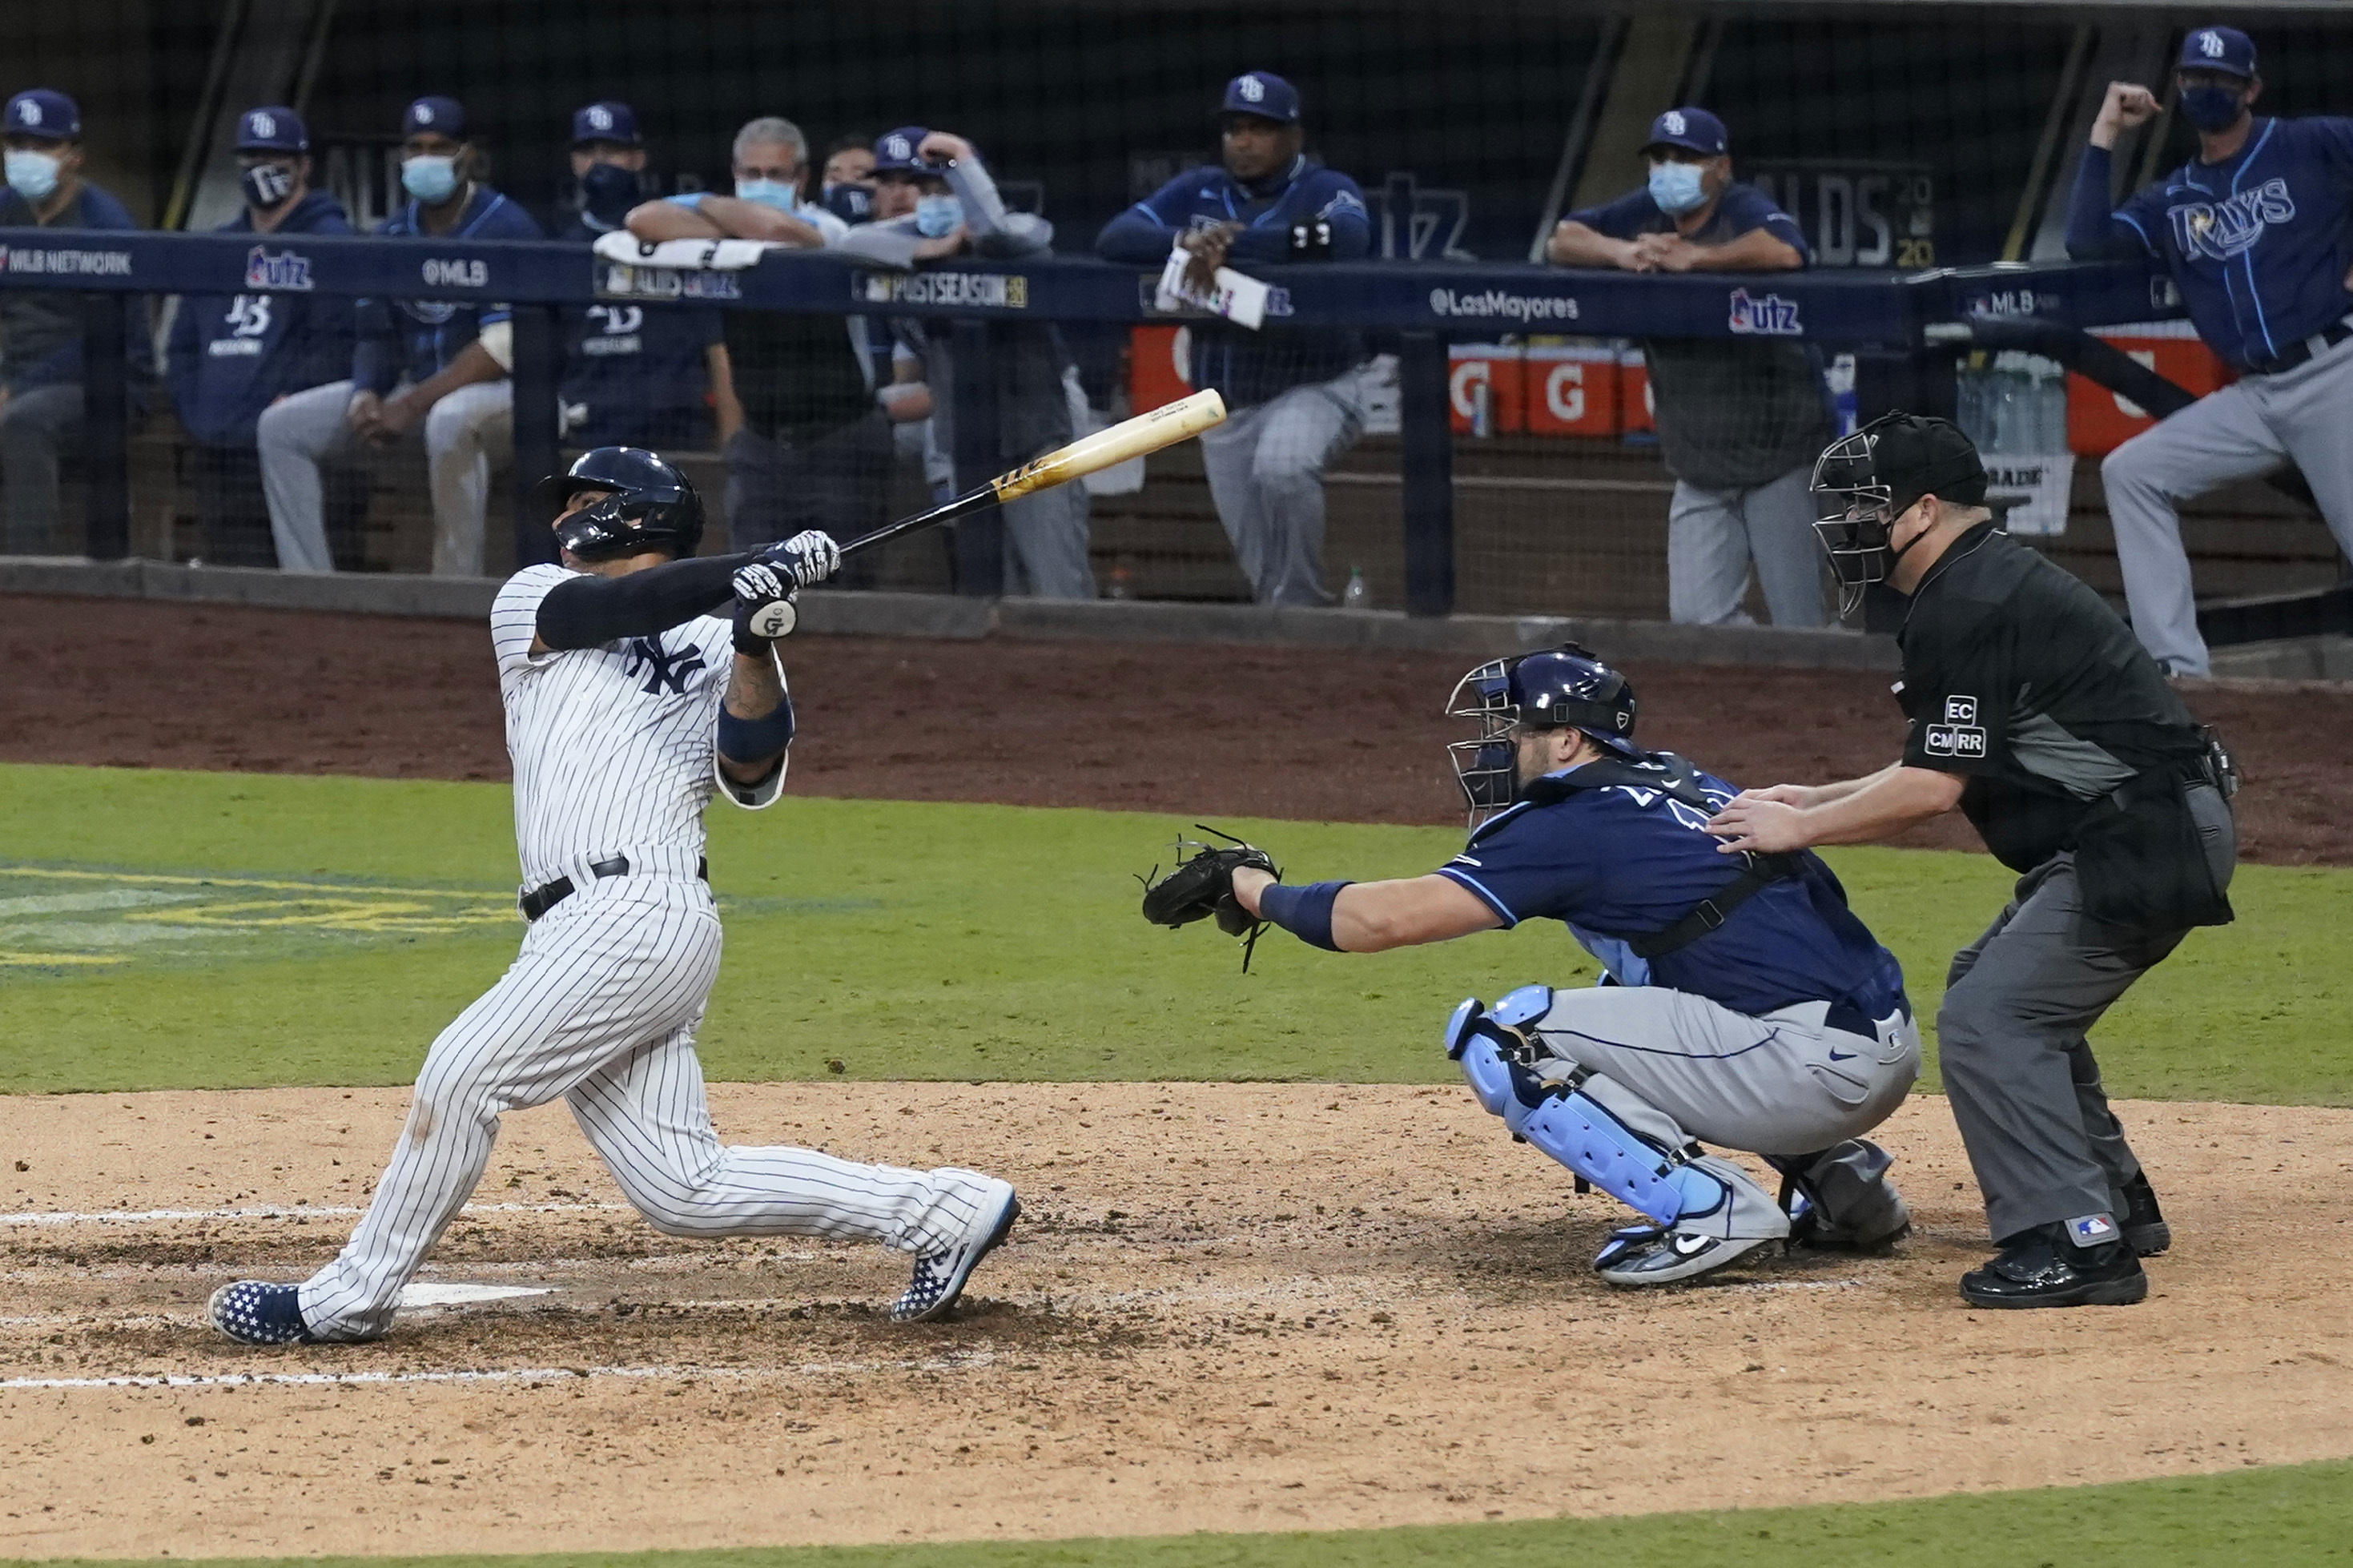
x=1687 y=815
x=667 y=669
x=2220 y=230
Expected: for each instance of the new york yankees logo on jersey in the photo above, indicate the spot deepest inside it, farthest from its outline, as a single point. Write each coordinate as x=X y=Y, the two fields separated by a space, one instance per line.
x=666 y=670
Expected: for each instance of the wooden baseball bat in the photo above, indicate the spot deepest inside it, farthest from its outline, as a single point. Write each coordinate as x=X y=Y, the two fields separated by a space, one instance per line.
x=1163 y=426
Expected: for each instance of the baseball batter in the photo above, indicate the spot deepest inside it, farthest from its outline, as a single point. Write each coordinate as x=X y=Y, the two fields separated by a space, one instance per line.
x=632 y=696
x=1744 y=1004
x=2257 y=231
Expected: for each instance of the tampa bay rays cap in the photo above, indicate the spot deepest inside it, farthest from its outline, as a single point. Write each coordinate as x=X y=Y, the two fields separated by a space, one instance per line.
x=272 y=128
x=1694 y=130
x=437 y=116
x=894 y=150
x=2218 y=49
x=608 y=121
x=44 y=112
x=1261 y=93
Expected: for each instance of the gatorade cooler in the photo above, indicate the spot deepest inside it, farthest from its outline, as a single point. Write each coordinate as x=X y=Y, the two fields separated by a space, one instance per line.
x=2099 y=420
x=1634 y=406
x=1159 y=366
x=1571 y=390
x=1484 y=392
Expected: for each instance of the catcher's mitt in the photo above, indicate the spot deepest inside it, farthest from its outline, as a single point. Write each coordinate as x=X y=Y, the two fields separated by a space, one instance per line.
x=1202 y=888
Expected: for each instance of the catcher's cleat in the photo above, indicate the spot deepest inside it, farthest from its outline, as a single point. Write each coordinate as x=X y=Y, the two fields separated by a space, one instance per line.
x=1649 y=1255
x=252 y=1312
x=940 y=1275
x=2041 y=1268
x=1810 y=1231
x=2144 y=1225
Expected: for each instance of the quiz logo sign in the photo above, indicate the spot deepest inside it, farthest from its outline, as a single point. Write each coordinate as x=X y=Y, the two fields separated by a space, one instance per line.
x=285 y=272
x=1772 y=316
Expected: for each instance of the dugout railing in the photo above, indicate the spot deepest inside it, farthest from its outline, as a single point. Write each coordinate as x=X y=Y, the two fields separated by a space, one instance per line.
x=1460 y=508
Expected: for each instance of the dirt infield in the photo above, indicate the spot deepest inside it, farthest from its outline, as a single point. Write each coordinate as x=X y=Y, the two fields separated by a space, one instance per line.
x=1232 y=1307
x=1206 y=728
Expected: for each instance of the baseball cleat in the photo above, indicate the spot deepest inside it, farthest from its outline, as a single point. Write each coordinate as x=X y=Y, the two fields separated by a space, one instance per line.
x=2040 y=1267
x=940 y=1275
x=254 y=1313
x=1647 y=1255
x=2144 y=1225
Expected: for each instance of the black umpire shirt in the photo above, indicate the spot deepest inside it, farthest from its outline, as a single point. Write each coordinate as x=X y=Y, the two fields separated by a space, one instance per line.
x=2022 y=679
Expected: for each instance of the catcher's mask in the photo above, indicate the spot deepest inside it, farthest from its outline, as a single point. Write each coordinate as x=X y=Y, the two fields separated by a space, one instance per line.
x=1863 y=482
x=652 y=505
x=1552 y=688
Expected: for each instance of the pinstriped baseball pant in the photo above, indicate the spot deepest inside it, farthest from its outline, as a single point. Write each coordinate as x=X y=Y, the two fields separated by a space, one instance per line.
x=601 y=1009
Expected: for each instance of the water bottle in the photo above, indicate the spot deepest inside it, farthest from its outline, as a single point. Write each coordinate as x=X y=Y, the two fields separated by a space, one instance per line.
x=2012 y=421
x=2054 y=407
x=1969 y=407
x=1840 y=379
x=1357 y=594
x=1122 y=584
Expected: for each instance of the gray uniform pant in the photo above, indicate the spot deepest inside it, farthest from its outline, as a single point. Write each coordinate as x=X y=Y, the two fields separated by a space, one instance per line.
x=34 y=425
x=1713 y=537
x=837 y=481
x=1045 y=545
x=1784 y=1084
x=2018 y=1071
x=464 y=434
x=2247 y=428
x=1265 y=466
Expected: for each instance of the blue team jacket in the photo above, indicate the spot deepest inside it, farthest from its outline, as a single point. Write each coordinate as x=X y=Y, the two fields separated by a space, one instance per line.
x=231 y=356
x=411 y=339
x=1250 y=367
x=2258 y=245
x=640 y=370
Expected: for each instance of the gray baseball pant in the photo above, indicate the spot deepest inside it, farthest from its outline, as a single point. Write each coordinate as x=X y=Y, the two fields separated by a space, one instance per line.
x=1045 y=545
x=2247 y=428
x=1265 y=466
x=1713 y=537
x=2019 y=1073
x=464 y=434
x=1782 y=1084
x=34 y=425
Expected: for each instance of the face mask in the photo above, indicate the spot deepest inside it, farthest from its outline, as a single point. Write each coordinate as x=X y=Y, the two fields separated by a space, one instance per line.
x=1676 y=188
x=2211 y=108
x=266 y=185
x=769 y=194
x=32 y=175
x=608 y=192
x=937 y=216
x=429 y=179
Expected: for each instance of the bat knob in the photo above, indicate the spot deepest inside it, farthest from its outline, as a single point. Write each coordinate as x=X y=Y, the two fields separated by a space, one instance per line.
x=773 y=620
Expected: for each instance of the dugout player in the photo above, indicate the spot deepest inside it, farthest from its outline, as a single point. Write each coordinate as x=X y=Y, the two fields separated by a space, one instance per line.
x=435 y=363
x=1294 y=399
x=933 y=198
x=40 y=331
x=2257 y=232
x=634 y=375
x=1740 y=420
x=638 y=681
x=229 y=357
x=1744 y=1004
x=2033 y=710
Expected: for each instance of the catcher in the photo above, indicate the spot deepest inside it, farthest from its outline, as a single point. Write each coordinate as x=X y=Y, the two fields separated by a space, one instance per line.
x=1753 y=1011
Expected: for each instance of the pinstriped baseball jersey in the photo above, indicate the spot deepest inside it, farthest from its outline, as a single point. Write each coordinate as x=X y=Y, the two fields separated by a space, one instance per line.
x=614 y=746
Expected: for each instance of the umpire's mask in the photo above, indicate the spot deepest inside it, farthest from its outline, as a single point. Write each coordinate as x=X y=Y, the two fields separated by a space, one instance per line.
x=1554 y=688
x=1863 y=482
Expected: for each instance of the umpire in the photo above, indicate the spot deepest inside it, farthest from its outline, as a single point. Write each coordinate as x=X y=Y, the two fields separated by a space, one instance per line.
x=2035 y=711
x=2257 y=232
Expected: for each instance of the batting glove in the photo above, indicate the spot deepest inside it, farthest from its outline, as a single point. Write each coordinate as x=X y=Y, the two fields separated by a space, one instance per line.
x=809 y=557
x=764 y=608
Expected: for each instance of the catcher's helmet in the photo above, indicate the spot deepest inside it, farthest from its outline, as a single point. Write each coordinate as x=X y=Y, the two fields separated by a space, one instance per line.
x=1555 y=688
x=1863 y=482
x=652 y=506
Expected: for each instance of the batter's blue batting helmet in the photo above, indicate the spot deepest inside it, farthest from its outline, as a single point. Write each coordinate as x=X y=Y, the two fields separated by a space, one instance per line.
x=652 y=505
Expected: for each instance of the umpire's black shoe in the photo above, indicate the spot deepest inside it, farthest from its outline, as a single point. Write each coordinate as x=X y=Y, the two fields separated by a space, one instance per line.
x=2144 y=1225
x=2040 y=1267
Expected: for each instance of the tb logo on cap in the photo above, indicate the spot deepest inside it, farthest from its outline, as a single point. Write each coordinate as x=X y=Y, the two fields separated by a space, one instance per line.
x=30 y=112
x=2210 y=44
x=423 y=113
x=1675 y=122
x=599 y=117
x=1251 y=89
x=262 y=124
x=896 y=147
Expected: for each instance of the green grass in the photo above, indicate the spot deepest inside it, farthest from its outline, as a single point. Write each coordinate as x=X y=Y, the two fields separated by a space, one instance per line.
x=971 y=941
x=2275 y=1518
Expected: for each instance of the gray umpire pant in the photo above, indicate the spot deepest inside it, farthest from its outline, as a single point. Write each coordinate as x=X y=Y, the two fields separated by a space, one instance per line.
x=35 y=426
x=2018 y=1071
x=1265 y=466
x=1715 y=537
x=2247 y=428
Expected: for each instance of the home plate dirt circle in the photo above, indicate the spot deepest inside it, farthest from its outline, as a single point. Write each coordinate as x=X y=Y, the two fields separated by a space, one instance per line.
x=1228 y=1307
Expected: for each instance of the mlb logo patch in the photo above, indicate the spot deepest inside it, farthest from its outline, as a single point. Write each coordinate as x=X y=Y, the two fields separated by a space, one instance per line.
x=2092 y=1229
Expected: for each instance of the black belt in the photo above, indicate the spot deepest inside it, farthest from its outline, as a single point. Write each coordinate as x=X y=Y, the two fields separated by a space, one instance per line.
x=547 y=895
x=2296 y=353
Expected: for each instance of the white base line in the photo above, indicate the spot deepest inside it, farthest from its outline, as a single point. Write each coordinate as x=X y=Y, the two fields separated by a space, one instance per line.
x=519 y=1374
x=154 y=1217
